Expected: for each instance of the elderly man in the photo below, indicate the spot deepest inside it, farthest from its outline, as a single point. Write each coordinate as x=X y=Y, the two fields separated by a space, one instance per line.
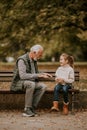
x=26 y=78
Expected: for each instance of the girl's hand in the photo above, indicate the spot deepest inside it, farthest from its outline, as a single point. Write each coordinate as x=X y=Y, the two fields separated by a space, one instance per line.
x=59 y=80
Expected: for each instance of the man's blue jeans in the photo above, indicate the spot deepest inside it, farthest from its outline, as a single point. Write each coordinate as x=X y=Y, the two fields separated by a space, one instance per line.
x=64 y=88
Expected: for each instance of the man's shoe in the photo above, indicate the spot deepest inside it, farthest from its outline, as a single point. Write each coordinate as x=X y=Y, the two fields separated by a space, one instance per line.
x=33 y=110
x=28 y=112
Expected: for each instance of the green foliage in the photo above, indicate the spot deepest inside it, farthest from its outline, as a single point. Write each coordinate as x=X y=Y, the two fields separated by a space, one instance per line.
x=58 y=25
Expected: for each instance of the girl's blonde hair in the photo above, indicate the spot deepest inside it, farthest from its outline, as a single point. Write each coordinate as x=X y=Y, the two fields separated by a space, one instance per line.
x=69 y=58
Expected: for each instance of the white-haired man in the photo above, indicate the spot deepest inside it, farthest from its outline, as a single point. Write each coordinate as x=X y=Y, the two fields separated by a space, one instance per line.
x=26 y=78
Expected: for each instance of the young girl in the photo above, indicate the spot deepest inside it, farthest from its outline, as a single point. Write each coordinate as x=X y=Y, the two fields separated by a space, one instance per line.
x=64 y=78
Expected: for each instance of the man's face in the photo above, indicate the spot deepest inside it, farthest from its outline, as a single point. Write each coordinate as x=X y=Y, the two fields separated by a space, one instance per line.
x=37 y=55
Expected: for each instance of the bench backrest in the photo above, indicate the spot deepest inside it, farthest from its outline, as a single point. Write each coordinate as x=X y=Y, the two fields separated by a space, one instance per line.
x=6 y=76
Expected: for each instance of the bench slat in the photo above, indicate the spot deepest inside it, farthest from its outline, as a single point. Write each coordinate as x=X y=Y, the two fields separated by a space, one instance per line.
x=22 y=92
x=5 y=75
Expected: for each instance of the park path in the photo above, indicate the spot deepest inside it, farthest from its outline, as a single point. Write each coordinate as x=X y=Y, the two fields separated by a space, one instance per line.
x=13 y=120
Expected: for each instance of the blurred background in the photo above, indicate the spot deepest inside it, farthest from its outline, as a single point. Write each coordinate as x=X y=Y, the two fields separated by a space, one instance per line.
x=58 y=25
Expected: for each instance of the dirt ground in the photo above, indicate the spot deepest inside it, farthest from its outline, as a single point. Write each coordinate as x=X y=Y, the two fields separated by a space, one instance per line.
x=13 y=120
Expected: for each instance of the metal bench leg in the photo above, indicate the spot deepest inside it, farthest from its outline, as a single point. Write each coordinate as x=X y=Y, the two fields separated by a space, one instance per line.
x=72 y=104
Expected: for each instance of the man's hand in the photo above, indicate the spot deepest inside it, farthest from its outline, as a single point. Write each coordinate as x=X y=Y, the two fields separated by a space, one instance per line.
x=44 y=75
x=47 y=74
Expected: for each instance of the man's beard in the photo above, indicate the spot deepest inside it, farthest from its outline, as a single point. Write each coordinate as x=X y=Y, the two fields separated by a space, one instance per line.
x=35 y=59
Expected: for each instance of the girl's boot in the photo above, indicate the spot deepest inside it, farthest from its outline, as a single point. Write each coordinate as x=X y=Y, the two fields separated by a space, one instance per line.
x=65 y=109
x=55 y=106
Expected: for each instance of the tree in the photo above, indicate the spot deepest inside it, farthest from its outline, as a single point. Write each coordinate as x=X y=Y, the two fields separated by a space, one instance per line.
x=55 y=24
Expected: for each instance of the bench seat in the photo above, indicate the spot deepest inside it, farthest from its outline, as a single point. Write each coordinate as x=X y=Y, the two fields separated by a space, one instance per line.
x=6 y=76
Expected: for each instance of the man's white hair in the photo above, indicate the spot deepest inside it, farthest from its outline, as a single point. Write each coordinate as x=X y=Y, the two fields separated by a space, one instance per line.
x=36 y=48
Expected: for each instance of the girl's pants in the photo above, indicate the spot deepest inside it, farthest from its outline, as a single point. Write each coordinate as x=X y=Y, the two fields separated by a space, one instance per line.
x=64 y=88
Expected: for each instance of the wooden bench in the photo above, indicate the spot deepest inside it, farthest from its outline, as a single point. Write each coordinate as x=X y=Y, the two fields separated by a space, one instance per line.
x=6 y=76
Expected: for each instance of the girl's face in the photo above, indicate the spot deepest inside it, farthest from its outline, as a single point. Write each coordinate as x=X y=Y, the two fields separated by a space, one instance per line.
x=63 y=61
